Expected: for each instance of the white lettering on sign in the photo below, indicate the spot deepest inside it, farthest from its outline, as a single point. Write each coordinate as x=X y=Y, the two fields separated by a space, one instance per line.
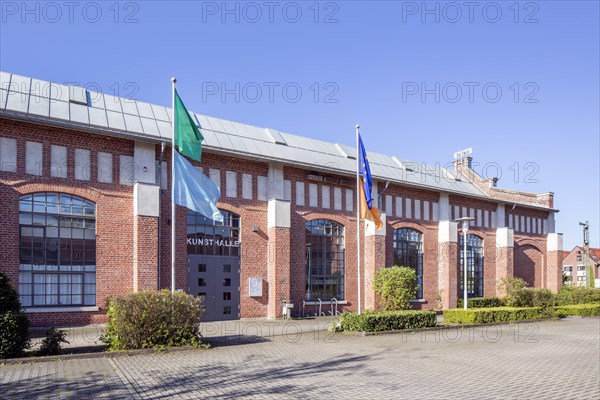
x=210 y=242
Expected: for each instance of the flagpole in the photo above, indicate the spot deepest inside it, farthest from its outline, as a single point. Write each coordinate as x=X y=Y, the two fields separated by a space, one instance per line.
x=173 y=150
x=358 y=218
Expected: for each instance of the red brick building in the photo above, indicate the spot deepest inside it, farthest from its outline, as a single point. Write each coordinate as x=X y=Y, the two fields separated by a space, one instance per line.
x=574 y=266
x=86 y=215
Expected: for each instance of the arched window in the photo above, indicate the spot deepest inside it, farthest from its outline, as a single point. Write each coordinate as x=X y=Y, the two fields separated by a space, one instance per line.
x=208 y=237
x=324 y=260
x=475 y=263
x=57 y=250
x=408 y=252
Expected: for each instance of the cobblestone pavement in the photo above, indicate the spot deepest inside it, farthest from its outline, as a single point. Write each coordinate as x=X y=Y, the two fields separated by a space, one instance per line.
x=545 y=360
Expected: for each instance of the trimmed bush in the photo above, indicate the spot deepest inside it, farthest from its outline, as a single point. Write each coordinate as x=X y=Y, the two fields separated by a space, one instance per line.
x=577 y=295
x=14 y=324
x=582 y=310
x=396 y=286
x=497 y=314
x=371 y=321
x=52 y=343
x=151 y=319
x=542 y=298
x=482 y=302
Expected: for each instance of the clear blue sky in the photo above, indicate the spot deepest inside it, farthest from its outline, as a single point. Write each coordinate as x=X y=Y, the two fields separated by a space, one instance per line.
x=370 y=62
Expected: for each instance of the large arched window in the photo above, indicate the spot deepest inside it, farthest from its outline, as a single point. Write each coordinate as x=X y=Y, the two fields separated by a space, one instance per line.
x=57 y=250
x=475 y=261
x=208 y=237
x=408 y=252
x=324 y=260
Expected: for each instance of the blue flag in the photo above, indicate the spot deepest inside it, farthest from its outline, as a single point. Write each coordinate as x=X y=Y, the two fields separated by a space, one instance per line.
x=365 y=172
x=194 y=190
x=367 y=211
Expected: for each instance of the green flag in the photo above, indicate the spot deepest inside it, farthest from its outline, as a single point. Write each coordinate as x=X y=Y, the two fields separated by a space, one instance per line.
x=188 y=138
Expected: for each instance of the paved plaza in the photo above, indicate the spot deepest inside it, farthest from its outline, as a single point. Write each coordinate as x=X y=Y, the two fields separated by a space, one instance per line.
x=546 y=360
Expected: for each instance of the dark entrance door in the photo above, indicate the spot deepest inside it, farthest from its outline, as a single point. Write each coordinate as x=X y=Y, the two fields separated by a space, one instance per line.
x=216 y=279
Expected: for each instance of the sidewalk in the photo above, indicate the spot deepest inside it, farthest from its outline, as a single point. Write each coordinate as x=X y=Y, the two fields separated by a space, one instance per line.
x=221 y=332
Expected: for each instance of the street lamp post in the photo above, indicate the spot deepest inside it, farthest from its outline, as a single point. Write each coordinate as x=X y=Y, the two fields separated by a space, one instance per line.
x=586 y=246
x=465 y=229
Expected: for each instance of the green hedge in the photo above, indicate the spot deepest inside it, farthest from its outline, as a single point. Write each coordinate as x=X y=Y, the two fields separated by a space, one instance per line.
x=371 y=321
x=582 y=310
x=569 y=295
x=482 y=302
x=151 y=319
x=497 y=314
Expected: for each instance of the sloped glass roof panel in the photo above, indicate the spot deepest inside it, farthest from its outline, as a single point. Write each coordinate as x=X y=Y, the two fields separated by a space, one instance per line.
x=145 y=110
x=112 y=103
x=115 y=120
x=96 y=100
x=164 y=128
x=59 y=92
x=257 y=133
x=203 y=121
x=150 y=127
x=4 y=80
x=78 y=95
x=210 y=138
x=20 y=83
x=59 y=109
x=238 y=143
x=39 y=106
x=17 y=102
x=98 y=117
x=225 y=140
x=160 y=113
x=228 y=126
x=3 y=96
x=216 y=125
x=240 y=129
x=129 y=106
x=40 y=88
x=79 y=113
x=133 y=123
x=250 y=145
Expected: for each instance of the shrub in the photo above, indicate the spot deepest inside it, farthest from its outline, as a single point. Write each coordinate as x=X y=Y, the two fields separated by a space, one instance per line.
x=14 y=324
x=482 y=302
x=542 y=298
x=497 y=314
x=151 y=319
x=52 y=342
x=396 y=286
x=371 y=321
x=582 y=310
x=577 y=295
x=512 y=290
x=9 y=299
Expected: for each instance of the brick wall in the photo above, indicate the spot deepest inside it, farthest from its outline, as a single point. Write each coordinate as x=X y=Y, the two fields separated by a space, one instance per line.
x=126 y=247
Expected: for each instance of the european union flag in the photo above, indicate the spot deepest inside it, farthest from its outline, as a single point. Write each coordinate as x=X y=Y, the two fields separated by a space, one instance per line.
x=367 y=211
x=365 y=172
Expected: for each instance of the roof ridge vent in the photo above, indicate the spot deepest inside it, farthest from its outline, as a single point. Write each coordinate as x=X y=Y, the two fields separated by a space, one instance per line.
x=276 y=136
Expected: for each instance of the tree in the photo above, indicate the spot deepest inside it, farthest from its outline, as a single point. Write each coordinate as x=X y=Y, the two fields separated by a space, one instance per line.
x=14 y=324
x=396 y=286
